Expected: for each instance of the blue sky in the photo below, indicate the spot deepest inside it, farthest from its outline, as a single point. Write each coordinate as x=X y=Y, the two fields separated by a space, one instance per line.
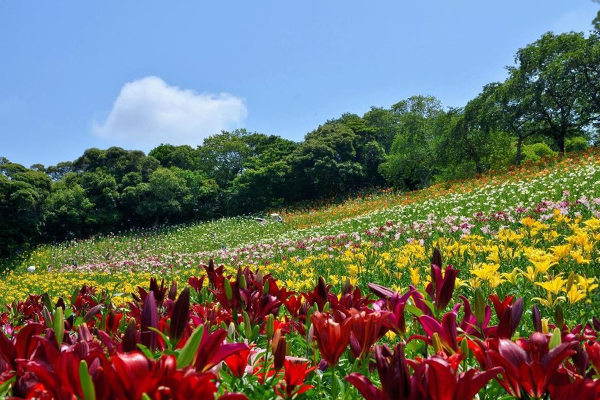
x=80 y=74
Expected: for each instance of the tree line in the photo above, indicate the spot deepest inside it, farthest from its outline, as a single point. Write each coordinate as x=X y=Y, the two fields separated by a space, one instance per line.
x=548 y=104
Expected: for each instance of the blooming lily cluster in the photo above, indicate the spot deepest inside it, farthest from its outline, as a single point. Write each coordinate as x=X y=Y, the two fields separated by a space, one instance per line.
x=246 y=336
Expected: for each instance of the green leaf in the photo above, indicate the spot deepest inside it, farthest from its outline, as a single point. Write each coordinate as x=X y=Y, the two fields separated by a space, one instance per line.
x=186 y=356
x=417 y=312
x=147 y=352
x=145 y=397
x=89 y=393
x=6 y=386
x=165 y=337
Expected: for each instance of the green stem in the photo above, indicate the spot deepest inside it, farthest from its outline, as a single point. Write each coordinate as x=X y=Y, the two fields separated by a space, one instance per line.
x=265 y=364
x=333 y=383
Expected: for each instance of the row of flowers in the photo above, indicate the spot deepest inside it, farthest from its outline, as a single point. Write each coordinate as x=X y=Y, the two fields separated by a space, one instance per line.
x=246 y=336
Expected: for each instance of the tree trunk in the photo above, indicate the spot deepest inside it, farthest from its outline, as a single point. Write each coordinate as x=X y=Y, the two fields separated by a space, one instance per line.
x=519 y=146
x=561 y=143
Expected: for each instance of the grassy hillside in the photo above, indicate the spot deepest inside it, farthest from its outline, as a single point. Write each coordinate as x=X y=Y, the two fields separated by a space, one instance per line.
x=509 y=223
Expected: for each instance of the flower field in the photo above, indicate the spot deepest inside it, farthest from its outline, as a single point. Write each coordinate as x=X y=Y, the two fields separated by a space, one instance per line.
x=484 y=289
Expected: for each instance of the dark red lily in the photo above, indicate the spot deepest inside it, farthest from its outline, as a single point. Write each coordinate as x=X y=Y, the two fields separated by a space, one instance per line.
x=395 y=305
x=441 y=287
x=447 y=330
x=212 y=350
x=366 y=329
x=237 y=362
x=565 y=387
x=332 y=337
x=296 y=371
x=320 y=295
x=509 y=314
x=437 y=378
x=529 y=366
x=393 y=374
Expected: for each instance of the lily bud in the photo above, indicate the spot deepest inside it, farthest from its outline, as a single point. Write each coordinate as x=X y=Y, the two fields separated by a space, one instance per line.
x=479 y=306
x=247 y=325
x=242 y=282
x=309 y=314
x=270 y=326
x=173 y=291
x=347 y=288
x=228 y=291
x=464 y=347
x=87 y=385
x=280 y=353
x=537 y=319
x=556 y=339
x=47 y=317
x=570 y=280
x=559 y=316
x=180 y=315
x=59 y=325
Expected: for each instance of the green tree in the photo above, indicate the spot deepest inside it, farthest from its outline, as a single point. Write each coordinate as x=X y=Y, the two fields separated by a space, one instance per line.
x=413 y=158
x=184 y=157
x=67 y=208
x=159 y=200
x=23 y=193
x=555 y=88
x=326 y=163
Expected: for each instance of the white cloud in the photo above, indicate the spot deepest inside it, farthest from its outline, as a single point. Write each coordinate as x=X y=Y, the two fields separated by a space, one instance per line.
x=149 y=112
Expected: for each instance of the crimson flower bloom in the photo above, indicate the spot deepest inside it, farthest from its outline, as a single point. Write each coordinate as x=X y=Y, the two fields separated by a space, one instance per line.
x=447 y=330
x=565 y=387
x=531 y=366
x=212 y=350
x=332 y=337
x=366 y=329
x=295 y=374
x=439 y=380
x=509 y=315
x=393 y=374
x=237 y=362
x=441 y=288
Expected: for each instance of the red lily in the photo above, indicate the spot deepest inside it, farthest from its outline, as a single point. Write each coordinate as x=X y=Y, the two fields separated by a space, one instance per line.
x=366 y=329
x=237 y=362
x=393 y=374
x=212 y=350
x=439 y=380
x=332 y=337
x=441 y=288
x=564 y=387
x=529 y=366
x=447 y=330
x=509 y=315
x=295 y=374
